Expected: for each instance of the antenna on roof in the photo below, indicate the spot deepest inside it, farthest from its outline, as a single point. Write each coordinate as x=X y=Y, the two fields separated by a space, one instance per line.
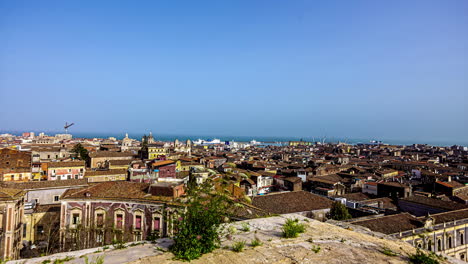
x=67 y=126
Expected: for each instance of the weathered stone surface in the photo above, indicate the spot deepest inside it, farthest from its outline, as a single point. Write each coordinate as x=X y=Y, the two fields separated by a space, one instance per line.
x=337 y=245
x=345 y=244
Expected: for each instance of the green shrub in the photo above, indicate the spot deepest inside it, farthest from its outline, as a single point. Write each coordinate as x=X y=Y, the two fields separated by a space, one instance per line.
x=256 y=242
x=153 y=236
x=118 y=244
x=245 y=227
x=388 y=252
x=198 y=227
x=292 y=228
x=339 y=211
x=420 y=257
x=60 y=261
x=315 y=249
x=238 y=246
x=97 y=260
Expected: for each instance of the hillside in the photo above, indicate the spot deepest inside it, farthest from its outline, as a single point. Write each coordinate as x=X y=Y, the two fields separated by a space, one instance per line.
x=321 y=243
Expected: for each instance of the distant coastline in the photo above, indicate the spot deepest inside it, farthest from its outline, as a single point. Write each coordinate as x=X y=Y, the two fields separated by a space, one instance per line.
x=172 y=137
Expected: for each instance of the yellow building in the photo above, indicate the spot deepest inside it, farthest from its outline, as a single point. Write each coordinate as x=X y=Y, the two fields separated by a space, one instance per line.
x=41 y=224
x=157 y=150
x=106 y=175
x=185 y=166
x=119 y=164
x=11 y=222
x=19 y=176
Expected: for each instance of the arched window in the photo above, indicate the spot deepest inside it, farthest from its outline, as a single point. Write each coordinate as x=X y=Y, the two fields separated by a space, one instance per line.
x=75 y=217
x=439 y=245
x=119 y=218
x=429 y=245
x=462 y=256
x=449 y=242
x=462 y=238
x=99 y=217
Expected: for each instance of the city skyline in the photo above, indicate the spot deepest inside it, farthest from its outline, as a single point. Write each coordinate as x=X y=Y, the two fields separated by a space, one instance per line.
x=348 y=70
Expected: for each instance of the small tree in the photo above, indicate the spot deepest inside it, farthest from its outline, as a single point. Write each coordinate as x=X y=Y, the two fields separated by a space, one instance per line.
x=339 y=211
x=197 y=230
x=80 y=152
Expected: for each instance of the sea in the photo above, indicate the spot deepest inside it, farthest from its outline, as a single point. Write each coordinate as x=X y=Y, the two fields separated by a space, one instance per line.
x=268 y=139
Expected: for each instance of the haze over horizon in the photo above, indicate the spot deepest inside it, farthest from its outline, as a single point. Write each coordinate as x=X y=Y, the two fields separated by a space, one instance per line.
x=360 y=69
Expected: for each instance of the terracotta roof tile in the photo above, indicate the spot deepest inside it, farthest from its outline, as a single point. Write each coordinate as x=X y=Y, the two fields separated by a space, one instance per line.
x=291 y=202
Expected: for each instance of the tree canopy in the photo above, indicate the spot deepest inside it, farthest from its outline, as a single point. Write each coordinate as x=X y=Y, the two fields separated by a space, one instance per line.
x=79 y=152
x=339 y=211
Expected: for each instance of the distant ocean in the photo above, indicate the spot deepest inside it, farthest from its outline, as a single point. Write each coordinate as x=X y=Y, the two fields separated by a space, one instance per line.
x=168 y=137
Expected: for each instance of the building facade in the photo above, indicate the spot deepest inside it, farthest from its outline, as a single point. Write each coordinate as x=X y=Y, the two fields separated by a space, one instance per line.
x=11 y=222
x=65 y=170
x=114 y=211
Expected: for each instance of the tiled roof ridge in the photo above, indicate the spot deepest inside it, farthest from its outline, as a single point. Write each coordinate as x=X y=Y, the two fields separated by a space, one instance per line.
x=448 y=212
x=386 y=216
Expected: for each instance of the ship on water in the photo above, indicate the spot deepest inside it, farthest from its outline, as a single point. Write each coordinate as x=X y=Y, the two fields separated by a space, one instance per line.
x=207 y=142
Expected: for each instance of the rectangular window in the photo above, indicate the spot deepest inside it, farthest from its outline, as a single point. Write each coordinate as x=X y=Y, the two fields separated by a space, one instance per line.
x=76 y=219
x=39 y=230
x=56 y=198
x=138 y=222
x=100 y=220
x=25 y=229
x=100 y=237
x=119 y=221
x=156 y=223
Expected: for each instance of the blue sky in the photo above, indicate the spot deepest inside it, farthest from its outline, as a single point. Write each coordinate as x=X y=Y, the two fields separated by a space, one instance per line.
x=378 y=69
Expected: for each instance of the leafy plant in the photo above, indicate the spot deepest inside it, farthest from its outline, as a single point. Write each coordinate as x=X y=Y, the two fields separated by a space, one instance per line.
x=292 y=228
x=198 y=227
x=420 y=257
x=97 y=260
x=339 y=211
x=118 y=244
x=245 y=227
x=80 y=152
x=388 y=252
x=232 y=230
x=238 y=246
x=153 y=236
x=60 y=261
x=256 y=242
x=315 y=249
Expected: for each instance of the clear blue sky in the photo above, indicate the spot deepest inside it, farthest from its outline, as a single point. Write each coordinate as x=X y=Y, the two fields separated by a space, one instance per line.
x=379 y=69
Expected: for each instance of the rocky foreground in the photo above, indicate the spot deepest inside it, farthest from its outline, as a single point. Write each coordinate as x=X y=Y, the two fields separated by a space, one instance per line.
x=321 y=243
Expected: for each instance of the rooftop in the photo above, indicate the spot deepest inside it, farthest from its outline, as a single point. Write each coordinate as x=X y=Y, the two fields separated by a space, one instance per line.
x=290 y=202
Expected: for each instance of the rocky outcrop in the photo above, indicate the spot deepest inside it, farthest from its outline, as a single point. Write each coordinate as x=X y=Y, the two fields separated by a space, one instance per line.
x=333 y=242
x=321 y=243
